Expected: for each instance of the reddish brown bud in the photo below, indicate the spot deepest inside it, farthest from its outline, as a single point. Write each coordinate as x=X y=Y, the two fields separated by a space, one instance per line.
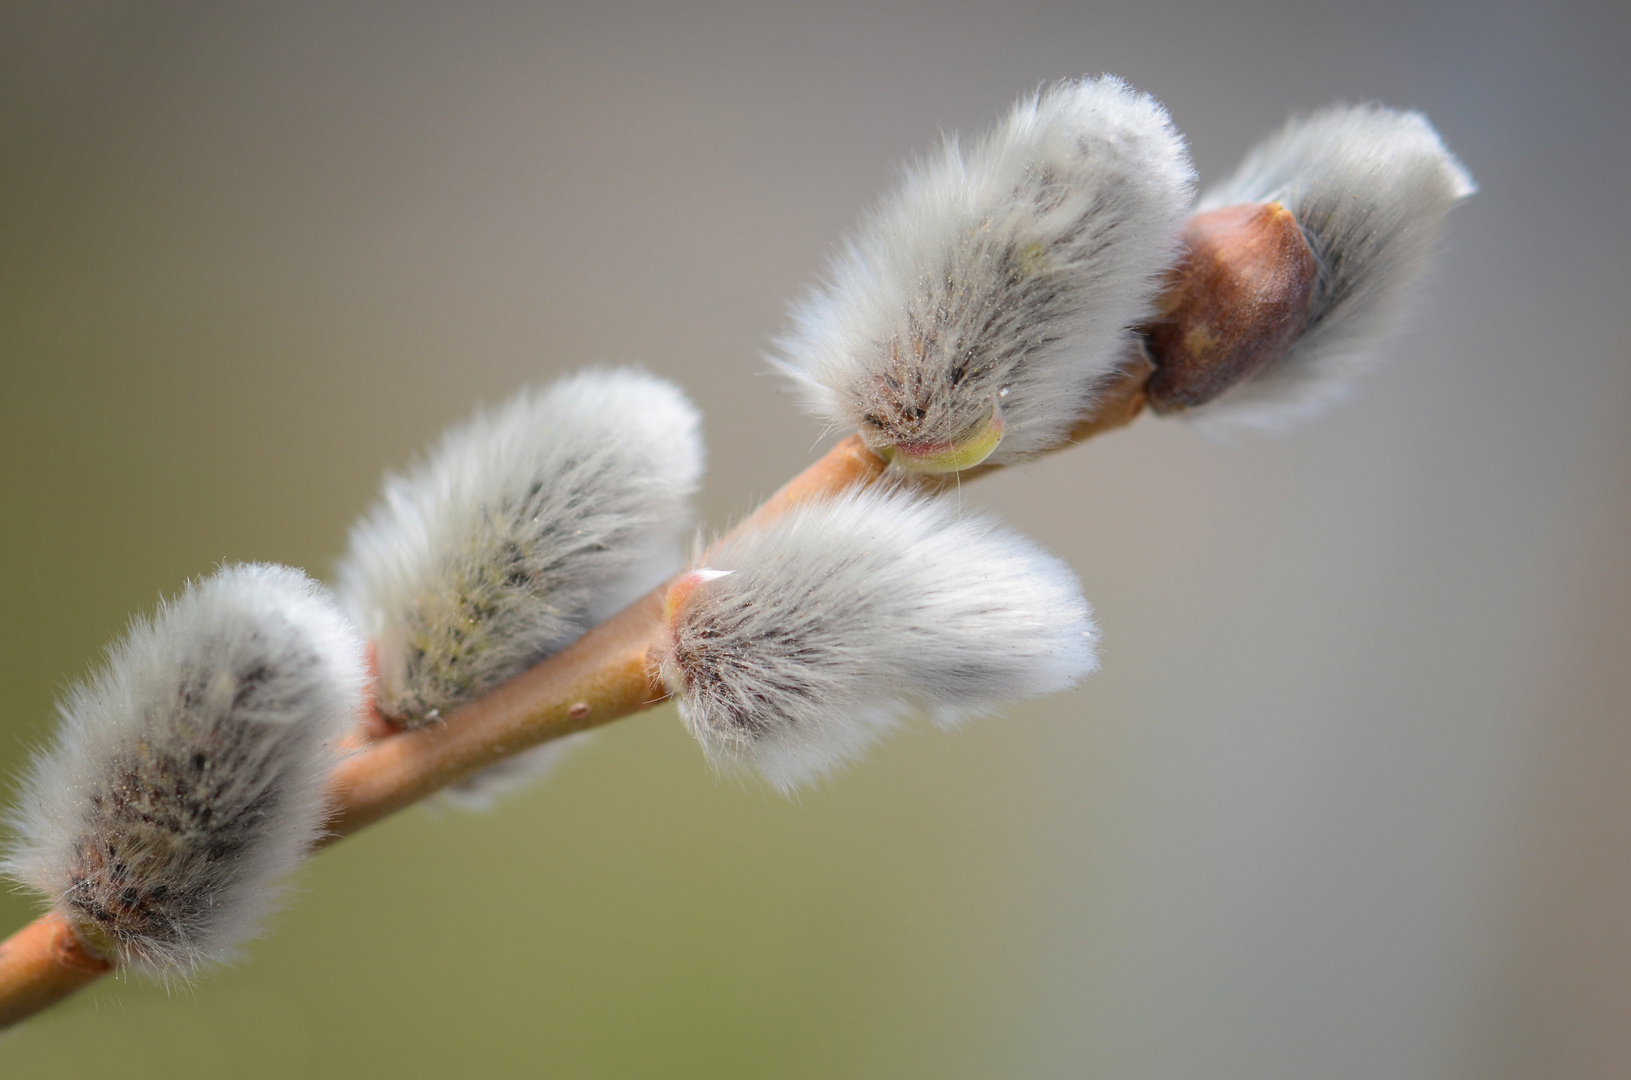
x=1233 y=306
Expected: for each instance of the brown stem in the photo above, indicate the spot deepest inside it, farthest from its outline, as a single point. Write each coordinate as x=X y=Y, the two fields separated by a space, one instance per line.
x=1121 y=398
x=603 y=676
x=1119 y=402
x=41 y=964
x=600 y=677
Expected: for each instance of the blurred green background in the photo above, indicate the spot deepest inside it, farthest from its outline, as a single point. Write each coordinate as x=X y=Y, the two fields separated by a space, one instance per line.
x=1348 y=798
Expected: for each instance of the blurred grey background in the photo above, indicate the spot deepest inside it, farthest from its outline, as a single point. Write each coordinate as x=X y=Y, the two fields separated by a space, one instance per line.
x=1349 y=797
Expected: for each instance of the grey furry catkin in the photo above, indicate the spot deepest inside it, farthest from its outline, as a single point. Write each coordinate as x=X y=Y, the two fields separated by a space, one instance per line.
x=187 y=775
x=803 y=642
x=522 y=529
x=1370 y=187
x=976 y=311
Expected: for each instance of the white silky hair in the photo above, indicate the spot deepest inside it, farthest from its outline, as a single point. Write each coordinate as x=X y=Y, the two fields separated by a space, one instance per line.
x=1370 y=187
x=523 y=528
x=188 y=774
x=843 y=616
x=1006 y=272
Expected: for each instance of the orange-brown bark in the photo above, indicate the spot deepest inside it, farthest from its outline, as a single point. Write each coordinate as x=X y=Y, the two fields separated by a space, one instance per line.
x=605 y=675
x=41 y=964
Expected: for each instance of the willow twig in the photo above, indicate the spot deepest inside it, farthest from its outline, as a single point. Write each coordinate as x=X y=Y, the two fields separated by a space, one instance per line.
x=605 y=675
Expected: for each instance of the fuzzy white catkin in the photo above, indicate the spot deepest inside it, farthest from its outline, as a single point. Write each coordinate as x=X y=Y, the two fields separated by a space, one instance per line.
x=187 y=775
x=844 y=615
x=522 y=529
x=1001 y=275
x=1370 y=187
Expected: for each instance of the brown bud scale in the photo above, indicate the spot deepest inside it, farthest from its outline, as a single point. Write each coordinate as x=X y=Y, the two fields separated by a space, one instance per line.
x=1233 y=305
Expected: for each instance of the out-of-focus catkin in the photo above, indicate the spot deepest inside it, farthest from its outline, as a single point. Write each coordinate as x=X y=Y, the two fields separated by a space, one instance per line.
x=1300 y=264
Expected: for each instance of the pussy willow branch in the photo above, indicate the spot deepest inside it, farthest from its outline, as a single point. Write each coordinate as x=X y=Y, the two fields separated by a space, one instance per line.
x=605 y=675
